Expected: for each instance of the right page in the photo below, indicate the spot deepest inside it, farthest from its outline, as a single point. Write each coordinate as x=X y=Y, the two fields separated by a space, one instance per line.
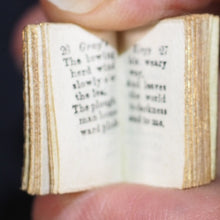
x=154 y=83
x=169 y=75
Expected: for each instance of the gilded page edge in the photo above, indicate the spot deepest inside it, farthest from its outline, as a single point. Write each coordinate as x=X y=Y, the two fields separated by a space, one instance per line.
x=25 y=169
x=195 y=175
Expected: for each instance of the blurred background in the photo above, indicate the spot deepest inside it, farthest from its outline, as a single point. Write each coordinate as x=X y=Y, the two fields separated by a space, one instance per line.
x=13 y=202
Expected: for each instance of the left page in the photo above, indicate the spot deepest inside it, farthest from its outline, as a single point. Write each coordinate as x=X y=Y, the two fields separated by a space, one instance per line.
x=78 y=78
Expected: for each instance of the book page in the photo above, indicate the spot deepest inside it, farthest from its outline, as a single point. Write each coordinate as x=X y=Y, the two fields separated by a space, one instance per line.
x=83 y=73
x=44 y=154
x=153 y=75
x=214 y=59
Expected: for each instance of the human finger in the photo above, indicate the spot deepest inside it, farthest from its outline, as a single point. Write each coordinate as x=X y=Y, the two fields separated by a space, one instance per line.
x=128 y=201
x=118 y=14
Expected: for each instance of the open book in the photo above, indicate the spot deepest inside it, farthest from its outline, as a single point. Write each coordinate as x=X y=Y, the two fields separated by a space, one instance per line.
x=103 y=107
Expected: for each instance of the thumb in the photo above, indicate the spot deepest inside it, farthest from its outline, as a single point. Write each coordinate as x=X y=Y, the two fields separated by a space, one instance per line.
x=117 y=14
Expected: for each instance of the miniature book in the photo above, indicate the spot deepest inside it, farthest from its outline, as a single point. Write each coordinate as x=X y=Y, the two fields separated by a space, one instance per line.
x=138 y=106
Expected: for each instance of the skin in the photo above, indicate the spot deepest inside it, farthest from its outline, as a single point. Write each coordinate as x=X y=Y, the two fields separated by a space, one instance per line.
x=124 y=201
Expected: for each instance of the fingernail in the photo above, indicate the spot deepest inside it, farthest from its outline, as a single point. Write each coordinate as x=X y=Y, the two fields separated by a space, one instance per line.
x=77 y=6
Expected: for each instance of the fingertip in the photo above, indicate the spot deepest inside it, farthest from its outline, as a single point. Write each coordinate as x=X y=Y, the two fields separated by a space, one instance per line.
x=111 y=15
x=122 y=14
x=131 y=201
